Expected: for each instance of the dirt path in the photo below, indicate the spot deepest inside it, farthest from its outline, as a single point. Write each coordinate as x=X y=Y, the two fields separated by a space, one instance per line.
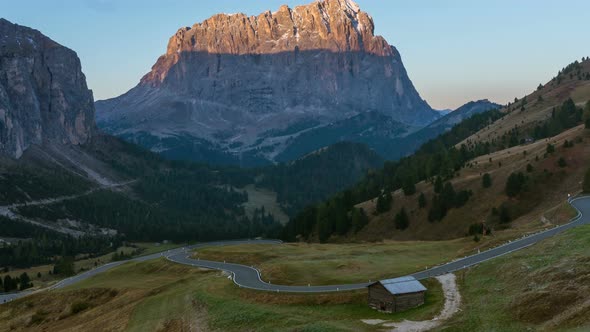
x=452 y=304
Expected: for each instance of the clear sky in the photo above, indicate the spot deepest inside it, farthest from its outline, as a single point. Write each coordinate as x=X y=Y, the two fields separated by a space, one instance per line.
x=454 y=50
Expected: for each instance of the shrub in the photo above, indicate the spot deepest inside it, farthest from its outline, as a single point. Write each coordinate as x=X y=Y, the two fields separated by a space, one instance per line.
x=79 y=307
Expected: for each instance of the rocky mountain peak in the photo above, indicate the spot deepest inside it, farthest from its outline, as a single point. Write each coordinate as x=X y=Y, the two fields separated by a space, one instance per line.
x=43 y=92
x=330 y=25
x=270 y=87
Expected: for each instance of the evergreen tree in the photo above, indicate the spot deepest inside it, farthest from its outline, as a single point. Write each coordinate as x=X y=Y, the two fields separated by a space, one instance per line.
x=515 y=184
x=409 y=187
x=9 y=284
x=359 y=219
x=505 y=215
x=25 y=281
x=437 y=210
x=422 y=201
x=486 y=180
x=401 y=220
x=587 y=182
x=448 y=194
x=64 y=266
x=438 y=185
x=384 y=202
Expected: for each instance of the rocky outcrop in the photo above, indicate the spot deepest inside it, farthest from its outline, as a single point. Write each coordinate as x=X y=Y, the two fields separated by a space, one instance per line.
x=252 y=84
x=43 y=92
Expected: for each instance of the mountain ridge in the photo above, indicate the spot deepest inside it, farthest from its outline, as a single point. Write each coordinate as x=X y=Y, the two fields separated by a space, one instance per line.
x=231 y=83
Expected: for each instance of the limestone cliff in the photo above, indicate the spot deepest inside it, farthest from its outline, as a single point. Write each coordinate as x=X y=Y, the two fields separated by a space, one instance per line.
x=251 y=85
x=43 y=92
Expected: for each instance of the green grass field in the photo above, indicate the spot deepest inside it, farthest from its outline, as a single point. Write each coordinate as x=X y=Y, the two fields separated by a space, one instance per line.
x=160 y=295
x=545 y=287
x=41 y=277
x=323 y=264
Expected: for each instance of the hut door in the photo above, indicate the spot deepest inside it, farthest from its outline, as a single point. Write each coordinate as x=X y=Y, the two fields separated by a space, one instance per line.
x=382 y=306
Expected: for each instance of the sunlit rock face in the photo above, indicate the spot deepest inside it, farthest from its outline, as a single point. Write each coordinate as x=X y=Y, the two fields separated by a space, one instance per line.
x=238 y=87
x=43 y=92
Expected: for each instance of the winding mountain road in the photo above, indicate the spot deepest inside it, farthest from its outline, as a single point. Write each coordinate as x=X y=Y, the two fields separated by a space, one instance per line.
x=249 y=277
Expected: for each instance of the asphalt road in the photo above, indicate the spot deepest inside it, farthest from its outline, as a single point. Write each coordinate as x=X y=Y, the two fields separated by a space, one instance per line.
x=249 y=277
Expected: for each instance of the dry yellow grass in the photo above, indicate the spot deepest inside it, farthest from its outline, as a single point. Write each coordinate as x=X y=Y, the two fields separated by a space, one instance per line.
x=163 y=296
x=548 y=194
x=536 y=110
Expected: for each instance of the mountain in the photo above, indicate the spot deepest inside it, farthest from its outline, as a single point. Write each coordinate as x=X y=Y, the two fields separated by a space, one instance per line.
x=406 y=145
x=453 y=118
x=243 y=89
x=318 y=175
x=416 y=139
x=61 y=178
x=444 y=112
x=539 y=144
x=43 y=92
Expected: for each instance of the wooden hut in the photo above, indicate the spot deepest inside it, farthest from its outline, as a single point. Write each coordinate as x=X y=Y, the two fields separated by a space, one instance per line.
x=395 y=295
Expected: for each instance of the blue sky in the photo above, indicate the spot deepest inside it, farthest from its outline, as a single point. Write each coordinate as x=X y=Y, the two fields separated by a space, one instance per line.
x=454 y=50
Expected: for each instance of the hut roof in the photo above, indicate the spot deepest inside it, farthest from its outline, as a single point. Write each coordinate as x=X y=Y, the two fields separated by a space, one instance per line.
x=403 y=285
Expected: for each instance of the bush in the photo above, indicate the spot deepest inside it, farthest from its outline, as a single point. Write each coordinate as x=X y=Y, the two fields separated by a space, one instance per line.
x=550 y=148
x=38 y=317
x=478 y=229
x=79 y=307
x=561 y=162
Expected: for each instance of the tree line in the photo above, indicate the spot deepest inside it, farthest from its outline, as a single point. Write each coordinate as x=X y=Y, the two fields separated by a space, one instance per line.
x=436 y=159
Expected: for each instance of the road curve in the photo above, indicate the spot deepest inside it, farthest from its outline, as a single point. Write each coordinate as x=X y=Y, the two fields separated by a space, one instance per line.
x=249 y=277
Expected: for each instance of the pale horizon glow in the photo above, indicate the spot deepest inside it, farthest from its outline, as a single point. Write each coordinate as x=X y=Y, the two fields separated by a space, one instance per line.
x=454 y=51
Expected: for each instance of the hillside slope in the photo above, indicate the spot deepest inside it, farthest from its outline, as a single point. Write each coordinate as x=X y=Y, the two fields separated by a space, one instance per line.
x=438 y=193
x=545 y=287
x=318 y=175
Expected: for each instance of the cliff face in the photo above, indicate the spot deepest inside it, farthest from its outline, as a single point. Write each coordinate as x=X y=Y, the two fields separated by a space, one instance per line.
x=251 y=85
x=335 y=26
x=43 y=92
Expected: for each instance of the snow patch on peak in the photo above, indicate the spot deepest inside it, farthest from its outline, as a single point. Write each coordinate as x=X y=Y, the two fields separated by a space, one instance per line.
x=352 y=5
